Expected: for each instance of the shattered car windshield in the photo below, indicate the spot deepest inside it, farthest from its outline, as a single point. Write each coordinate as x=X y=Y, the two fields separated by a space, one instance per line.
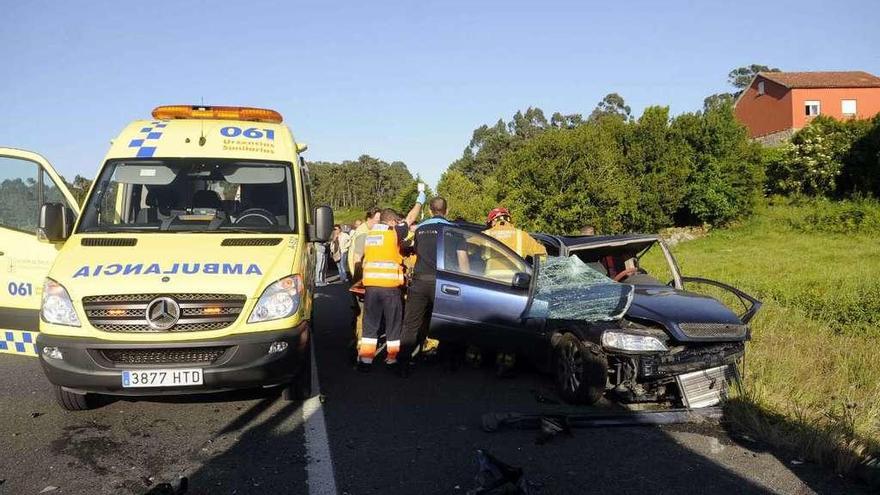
x=192 y=195
x=569 y=289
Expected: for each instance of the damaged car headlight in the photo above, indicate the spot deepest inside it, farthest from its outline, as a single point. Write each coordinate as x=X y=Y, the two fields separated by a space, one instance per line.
x=57 y=307
x=620 y=341
x=279 y=300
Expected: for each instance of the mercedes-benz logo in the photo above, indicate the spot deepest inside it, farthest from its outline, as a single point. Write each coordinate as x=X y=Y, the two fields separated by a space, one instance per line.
x=162 y=313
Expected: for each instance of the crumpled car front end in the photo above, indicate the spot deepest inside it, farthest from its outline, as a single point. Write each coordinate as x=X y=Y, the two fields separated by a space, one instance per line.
x=659 y=343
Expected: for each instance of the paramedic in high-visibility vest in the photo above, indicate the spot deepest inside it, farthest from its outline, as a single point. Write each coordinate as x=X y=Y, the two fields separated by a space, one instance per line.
x=502 y=229
x=383 y=280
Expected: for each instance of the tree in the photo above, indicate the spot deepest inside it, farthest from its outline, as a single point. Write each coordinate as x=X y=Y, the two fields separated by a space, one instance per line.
x=612 y=105
x=569 y=121
x=359 y=184
x=717 y=100
x=529 y=124
x=467 y=199
x=407 y=195
x=740 y=77
x=727 y=175
x=825 y=159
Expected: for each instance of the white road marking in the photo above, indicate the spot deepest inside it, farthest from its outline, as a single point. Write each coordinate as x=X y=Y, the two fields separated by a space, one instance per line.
x=319 y=468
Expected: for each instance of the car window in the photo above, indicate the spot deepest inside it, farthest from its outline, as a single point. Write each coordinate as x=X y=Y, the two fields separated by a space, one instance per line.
x=18 y=194
x=477 y=255
x=51 y=192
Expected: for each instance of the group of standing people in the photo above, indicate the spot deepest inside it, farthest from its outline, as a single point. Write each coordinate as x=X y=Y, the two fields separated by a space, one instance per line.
x=392 y=262
x=337 y=251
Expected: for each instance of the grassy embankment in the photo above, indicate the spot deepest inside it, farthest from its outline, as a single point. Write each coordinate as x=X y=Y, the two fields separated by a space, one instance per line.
x=813 y=366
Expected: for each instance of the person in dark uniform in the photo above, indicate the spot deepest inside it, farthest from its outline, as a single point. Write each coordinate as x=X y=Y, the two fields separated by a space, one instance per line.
x=420 y=296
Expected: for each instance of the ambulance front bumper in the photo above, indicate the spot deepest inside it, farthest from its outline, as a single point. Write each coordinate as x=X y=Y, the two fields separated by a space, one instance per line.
x=261 y=359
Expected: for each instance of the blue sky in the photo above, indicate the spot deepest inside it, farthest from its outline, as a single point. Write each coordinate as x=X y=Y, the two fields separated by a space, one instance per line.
x=398 y=80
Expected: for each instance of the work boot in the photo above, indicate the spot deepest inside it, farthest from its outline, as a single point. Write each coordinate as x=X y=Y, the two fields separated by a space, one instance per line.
x=474 y=356
x=401 y=369
x=504 y=364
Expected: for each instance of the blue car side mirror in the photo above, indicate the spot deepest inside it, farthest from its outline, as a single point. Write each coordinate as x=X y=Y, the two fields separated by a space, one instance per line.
x=522 y=280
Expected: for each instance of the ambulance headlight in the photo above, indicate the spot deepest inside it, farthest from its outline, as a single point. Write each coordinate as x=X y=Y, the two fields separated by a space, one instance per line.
x=279 y=300
x=57 y=307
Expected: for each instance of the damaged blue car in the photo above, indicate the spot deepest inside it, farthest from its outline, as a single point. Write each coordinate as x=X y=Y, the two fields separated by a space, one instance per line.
x=592 y=314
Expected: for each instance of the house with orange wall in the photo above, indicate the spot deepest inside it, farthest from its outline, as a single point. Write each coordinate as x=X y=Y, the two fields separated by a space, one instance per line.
x=775 y=104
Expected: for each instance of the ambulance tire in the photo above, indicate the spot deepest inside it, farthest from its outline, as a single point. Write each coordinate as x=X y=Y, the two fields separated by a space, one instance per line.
x=300 y=389
x=581 y=370
x=71 y=401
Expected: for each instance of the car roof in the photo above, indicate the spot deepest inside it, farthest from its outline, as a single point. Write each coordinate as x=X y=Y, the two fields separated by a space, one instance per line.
x=576 y=241
x=581 y=241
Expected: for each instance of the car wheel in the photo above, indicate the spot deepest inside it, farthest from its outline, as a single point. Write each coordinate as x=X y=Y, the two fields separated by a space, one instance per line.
x=581 y=371
x=71 y=401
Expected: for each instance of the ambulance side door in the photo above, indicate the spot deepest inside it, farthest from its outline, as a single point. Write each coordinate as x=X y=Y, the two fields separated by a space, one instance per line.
x=27 y=181
x=476 y=298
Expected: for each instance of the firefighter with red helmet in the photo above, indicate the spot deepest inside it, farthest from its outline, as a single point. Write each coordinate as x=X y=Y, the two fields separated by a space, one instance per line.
x=502 y=229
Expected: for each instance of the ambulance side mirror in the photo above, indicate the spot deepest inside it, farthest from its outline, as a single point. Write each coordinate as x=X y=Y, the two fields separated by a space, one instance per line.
x=56 y=222
x=322 y=229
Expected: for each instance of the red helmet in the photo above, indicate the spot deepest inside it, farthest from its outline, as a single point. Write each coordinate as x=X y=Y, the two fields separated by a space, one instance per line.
x=497 y=212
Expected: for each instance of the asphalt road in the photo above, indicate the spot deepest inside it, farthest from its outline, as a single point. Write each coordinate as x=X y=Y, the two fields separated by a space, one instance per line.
x=385 y=435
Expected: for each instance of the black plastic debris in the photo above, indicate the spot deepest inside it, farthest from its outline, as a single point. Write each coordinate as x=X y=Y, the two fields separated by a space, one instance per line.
x=552 y=427
x=493 y=422
x=498 y=478
x=36 y=414
x=178 y=488
x=544 y=399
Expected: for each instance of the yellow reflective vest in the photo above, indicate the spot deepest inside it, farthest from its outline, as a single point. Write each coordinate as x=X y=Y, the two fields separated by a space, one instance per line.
x=383 y=262
x=518 y=240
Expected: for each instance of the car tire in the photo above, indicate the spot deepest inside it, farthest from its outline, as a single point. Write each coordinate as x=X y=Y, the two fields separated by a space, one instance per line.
x=71 y=401
x=581 y=370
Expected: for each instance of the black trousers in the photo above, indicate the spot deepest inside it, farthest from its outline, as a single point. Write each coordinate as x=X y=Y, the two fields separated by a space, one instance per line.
x=383 y=303
x=417 y=317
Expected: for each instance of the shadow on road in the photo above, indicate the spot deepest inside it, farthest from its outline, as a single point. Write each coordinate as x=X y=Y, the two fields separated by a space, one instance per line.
x=267 y=455
x=419 y=435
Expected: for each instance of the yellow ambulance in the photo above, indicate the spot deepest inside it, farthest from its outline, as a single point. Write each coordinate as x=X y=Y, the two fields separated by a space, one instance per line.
x=189 y=267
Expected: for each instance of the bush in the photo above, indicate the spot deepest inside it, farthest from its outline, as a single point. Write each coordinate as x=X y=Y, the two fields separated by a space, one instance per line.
x=861 y=216
x=827 y=158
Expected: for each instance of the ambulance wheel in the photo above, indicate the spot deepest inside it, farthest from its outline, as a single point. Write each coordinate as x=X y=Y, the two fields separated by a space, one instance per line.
x=300 y=388
x=72 y=401
x=581 y=371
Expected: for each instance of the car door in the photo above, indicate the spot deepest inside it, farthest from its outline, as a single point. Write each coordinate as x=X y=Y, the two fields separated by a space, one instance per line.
x=27 y=180
x=475 y=298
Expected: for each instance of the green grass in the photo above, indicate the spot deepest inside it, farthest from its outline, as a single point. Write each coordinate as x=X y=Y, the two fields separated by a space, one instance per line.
x=813 y=366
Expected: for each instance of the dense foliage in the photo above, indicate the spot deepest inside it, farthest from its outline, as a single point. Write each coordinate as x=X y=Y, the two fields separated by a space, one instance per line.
x=829 y=157
x=364 y=183
x=610 y=171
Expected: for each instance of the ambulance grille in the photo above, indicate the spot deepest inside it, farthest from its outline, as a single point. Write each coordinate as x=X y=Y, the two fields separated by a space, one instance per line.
x=257 y=241
x=108 y=241
x=190 y=355
x=128 y=313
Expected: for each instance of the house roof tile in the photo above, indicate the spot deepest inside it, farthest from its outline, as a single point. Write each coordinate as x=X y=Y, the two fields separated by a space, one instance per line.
x=848 y=79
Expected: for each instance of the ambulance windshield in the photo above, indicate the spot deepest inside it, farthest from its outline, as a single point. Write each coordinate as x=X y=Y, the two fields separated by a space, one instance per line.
x=191 y=195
